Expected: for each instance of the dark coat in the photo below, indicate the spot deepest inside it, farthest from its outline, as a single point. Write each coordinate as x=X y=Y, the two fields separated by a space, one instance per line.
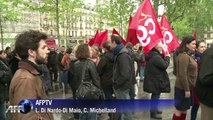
x=91 y=74
x=123 y=74
x=52 y=58
x=14 y=64
x=156 y=79
x=59 y=59
x=46 y=77
x=105 y=68
x=204 y=83
x=5 y=78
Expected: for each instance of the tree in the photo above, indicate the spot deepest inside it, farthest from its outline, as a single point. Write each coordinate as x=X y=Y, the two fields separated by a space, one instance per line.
x=184 y=15
x=116 y=12
x=7 y=14
x=64 y=12
x=46 y=6
x=70 y=13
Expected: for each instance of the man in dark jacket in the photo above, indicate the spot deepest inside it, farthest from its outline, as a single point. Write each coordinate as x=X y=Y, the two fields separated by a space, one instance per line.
x=122 y=72
x=52 y=65
x=5 y=78
x=60 y=66
x=204 y=85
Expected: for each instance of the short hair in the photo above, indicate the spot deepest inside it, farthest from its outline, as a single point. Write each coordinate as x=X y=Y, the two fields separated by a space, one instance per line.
x=69 y=50
x=106 y=45
x=82 y=51
x=140 y=48
x=28 y=40
x=116 y=38
x=198 y=43
x=182 y=48
x=7 y=48
x=129 y=45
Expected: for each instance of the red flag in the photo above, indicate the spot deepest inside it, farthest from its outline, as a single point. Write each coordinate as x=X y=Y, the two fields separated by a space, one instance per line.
x=146 y=25
x=170 y=41
x=116 y=32
x=103 y=36
x=92 y=40
x=131 y=35
x=195 y=35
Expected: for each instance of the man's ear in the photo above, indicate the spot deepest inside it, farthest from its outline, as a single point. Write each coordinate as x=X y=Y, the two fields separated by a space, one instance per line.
x=31 y=53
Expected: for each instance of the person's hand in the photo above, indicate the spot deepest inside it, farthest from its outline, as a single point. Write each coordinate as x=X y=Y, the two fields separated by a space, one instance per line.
x=168 y=55
x=187 y=94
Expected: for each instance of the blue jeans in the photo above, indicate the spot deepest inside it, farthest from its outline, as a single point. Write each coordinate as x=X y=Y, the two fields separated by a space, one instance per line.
x=194 y=110
x=88 y=116
x=108 y=91
x=123 y=94
x=2 y=111
x=154 y=103
x=142 y=68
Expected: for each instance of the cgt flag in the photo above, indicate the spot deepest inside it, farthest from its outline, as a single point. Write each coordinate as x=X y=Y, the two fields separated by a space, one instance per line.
x=146 y=25
x=131 y=35
x=169 y=40
x=116 y=32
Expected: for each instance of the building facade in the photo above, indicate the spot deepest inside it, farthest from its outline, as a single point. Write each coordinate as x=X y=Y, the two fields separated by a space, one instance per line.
x=83 y=29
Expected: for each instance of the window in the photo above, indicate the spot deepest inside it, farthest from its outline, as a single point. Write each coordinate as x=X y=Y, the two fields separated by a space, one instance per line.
x=73 y=33
x=208 y=35
x=81 y=33
x=81 y=26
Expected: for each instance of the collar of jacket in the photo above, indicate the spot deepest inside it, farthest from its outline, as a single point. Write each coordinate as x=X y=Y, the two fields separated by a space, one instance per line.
x=30 y=66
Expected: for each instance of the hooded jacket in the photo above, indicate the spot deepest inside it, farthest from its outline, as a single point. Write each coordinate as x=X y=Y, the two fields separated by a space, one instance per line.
x=123 y=68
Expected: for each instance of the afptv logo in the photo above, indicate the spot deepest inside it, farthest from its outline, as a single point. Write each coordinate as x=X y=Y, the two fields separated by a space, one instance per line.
x=24 y=107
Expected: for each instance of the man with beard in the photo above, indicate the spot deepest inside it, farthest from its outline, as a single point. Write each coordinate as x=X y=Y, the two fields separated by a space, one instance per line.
x=27 y=83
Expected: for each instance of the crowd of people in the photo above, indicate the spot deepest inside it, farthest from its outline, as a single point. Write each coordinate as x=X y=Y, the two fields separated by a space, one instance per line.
x=31 y=70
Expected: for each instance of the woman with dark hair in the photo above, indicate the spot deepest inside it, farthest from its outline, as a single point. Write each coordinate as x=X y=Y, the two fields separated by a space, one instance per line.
x=83 y=55
x=186 y=75
x=200 y=48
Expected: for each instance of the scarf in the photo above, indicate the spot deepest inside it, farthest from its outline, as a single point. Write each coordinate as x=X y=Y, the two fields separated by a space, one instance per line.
x=117 y=50
x=38 y=68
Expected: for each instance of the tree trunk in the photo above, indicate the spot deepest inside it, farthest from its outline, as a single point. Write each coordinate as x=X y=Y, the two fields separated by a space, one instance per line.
x=57 y=23
x=2 y=37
